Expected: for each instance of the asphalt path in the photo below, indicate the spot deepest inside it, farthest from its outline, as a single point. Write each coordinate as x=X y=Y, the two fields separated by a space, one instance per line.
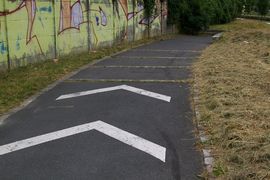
x=128 y=117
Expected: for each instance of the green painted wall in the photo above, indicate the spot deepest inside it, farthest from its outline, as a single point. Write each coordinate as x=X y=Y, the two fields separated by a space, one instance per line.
x=3 y=40
x=35 y=30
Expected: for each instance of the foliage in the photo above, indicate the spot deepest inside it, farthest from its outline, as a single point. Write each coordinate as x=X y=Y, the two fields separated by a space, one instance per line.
x=224 y=11
x=193 y=16
x=149 y=6
x=263 y=7
x=249 y=6
x=173 y=11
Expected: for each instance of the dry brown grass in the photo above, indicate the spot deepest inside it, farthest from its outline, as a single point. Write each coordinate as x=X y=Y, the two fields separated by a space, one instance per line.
x=233 y=77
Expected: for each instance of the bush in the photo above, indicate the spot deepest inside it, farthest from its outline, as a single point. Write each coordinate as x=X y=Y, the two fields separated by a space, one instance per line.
x=149 y=6
x=263 y=7
x=225 y=10
x=193 y=16
x=173 y=11
x=249 y=6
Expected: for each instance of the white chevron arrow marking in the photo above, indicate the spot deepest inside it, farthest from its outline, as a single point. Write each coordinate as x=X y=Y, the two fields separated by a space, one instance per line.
x=137 y=142
x=121 y=87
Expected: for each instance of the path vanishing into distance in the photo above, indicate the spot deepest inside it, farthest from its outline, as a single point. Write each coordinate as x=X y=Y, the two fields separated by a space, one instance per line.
x=128 y=117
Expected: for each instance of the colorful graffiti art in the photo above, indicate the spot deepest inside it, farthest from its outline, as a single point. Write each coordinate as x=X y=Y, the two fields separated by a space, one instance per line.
x=71 y=16
x=130 y=14
x=157 y=13
x=38 y=29
x=30 y=6
x=102 y=16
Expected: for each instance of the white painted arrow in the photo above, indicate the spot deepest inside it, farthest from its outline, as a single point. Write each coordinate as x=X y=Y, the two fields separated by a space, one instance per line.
x=121 y=87
x=130 y=139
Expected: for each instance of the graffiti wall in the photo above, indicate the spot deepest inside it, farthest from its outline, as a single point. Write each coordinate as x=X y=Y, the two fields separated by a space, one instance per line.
x=35 y=30
x=3 y=42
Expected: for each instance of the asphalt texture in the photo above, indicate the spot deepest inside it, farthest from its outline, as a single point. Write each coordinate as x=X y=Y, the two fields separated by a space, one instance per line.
x=95 y=156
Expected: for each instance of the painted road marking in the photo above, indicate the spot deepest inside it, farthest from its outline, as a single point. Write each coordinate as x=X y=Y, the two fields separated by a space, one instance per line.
x=137 y=142
x=165 y=50
x=153 y=57
x=145 y=67
x=121 y=87
x=60 y=107
x=125 y=80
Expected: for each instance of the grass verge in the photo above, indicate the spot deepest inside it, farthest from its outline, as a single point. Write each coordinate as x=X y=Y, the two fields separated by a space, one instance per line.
x=233 y=77
x=19 y=84
x=257 y=17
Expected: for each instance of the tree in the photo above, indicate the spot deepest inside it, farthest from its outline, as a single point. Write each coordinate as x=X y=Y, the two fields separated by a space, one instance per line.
x=193 y=16
x=173 y=12
x=263 y=7
x=249 y=6
x=149 y=6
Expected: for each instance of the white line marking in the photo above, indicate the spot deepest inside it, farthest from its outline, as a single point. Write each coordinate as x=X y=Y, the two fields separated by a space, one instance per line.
x=18 y=145
x=121 y=87
x=132 y=140
x=146 y=93
x=165 y=50
x=137 y=142
x=146 y=67
x=84 y=93
x=155 y=57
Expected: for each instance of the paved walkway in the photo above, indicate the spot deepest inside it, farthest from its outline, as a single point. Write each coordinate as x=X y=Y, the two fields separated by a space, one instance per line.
x=125 y=118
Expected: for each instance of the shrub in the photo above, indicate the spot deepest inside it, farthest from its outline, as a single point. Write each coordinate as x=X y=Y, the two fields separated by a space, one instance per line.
x=263 y=7
x=173 y=11
x=193 y=16
x=249 y=6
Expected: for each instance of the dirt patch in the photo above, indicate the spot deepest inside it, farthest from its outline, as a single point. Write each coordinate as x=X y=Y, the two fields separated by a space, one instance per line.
x=233 y=77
